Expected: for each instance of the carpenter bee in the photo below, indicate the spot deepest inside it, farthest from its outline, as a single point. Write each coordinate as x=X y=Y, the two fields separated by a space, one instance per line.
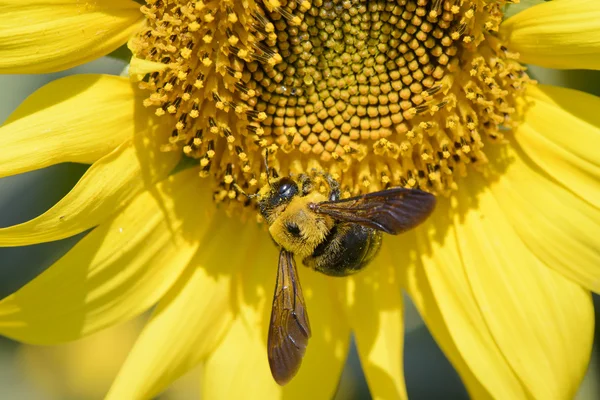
x=334 y=236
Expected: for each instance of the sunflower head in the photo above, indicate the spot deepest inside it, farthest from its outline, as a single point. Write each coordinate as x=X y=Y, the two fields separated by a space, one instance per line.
x=372 y=93
x=379 y=93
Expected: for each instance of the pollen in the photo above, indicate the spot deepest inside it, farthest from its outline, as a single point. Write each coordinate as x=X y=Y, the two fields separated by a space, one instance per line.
x=378 y=93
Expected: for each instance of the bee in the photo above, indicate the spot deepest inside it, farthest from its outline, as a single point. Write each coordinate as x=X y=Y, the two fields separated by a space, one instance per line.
x=337 y=237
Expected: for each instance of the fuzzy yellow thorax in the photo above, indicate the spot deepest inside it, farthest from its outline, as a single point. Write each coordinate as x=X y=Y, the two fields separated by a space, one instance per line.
x=313 y=227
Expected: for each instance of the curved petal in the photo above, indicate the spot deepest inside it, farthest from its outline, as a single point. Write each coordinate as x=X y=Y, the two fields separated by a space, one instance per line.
x=512 y=327
x=117 y=271
x=193 y=317
x=441 y=292
x=557 y=226
x=80 y=118
x=542 y=322
x=53 y=35
x=557 y=34
x=239 y=367
x=138 y=68
x=376 y=315
x=108 y=185
x=561 y=134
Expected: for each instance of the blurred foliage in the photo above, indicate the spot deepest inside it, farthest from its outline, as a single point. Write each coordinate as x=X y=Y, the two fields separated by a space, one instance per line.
x=122 y=53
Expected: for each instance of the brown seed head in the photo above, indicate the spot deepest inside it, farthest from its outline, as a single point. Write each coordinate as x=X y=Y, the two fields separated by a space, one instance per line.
x=378 y=93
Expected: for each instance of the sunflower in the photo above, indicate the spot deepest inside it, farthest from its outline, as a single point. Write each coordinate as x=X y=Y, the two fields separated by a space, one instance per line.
x=424 y=94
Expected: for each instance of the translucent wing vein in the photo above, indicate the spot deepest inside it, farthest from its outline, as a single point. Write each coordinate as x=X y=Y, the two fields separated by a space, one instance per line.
x=391 y=211
x=289 y=330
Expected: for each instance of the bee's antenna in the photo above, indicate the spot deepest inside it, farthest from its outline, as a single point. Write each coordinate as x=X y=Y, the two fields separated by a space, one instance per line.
x=240 y=190
x=266 y=159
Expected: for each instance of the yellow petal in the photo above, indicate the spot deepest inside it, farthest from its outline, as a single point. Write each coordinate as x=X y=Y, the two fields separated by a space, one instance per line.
x=229 y=375
x=376 y=315
x=561 y=134
x=557 y=34
x=79 y=118
x=53 y=35
x=108 y=185
x=115 y=272
x=193 y=317
x=542 y=322
x=559 y=227
x=138 y=68
x=442 y=294
x=238 y=369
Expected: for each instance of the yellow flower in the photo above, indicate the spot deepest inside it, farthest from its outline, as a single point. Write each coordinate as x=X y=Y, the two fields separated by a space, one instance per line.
x=376 y=93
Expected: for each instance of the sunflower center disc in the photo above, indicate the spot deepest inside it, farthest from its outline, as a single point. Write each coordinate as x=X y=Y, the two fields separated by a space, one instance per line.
x=378 y=93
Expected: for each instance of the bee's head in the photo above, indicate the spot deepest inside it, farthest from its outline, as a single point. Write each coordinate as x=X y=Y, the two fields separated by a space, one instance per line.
x=274 y=196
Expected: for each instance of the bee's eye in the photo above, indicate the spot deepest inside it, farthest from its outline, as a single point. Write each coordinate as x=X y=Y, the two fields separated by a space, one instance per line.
x=287 y=189
x=293 y=229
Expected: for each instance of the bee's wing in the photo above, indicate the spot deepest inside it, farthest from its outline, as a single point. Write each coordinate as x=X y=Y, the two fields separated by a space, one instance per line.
x=392 y=211
x=289 y=329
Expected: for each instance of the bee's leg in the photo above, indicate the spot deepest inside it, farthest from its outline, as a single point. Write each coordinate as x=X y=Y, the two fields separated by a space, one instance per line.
x=306 y=184
x=334 y=188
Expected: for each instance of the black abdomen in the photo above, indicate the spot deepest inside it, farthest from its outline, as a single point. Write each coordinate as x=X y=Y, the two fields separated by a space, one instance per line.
x=347 y=249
